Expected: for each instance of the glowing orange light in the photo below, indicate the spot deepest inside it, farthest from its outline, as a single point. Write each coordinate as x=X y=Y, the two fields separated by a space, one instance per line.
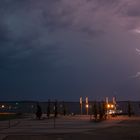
x=87 y=105
x=112 y=106
x=108 y=105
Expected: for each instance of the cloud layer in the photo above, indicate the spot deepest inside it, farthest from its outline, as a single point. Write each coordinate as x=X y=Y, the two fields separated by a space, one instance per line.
x=65 y=49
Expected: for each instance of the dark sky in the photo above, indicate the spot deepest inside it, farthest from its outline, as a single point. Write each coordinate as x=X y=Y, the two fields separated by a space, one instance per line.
x=64 y=49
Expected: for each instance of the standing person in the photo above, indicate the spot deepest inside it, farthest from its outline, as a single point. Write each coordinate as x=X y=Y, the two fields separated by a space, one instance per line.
x=129 y=109
x=95 y=111
x=38 y=112
x=64 y=109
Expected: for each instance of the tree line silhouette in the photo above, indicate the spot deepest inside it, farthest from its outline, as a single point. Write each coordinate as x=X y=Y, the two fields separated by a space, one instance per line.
x=98 y=110
x=49 y=110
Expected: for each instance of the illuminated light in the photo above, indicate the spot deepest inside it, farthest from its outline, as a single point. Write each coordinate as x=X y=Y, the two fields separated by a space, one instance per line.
x=87 y=106
x=111 y=112
x=108 y=105
x=2 y=106
x=112 y=106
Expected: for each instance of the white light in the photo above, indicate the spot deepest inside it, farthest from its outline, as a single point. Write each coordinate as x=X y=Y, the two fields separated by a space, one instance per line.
x=111 y=112
x=3 y=106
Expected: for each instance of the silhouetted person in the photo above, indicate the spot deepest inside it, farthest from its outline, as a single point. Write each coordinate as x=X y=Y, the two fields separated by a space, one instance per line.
x=48 y=109
x=95 y=111
x=64 y=109
x=100 y=111
x=38 y=112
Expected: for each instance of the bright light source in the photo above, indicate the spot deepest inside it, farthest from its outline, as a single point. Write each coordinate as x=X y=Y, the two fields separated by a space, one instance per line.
x=2 y=106
x=87 y=106
x=112 y=106
x=108 y=105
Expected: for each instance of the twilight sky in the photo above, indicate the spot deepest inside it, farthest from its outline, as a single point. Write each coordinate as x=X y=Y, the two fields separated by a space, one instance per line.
x=64 y=49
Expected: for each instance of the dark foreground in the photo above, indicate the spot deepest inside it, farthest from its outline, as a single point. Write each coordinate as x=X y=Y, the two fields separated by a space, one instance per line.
x=127 y=129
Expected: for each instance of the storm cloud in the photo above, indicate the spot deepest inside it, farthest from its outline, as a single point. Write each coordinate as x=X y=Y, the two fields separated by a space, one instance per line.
x=65 y=49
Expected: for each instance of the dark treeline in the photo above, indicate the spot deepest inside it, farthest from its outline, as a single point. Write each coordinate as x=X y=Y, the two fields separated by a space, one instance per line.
x=67 y=108
x=96 y=109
